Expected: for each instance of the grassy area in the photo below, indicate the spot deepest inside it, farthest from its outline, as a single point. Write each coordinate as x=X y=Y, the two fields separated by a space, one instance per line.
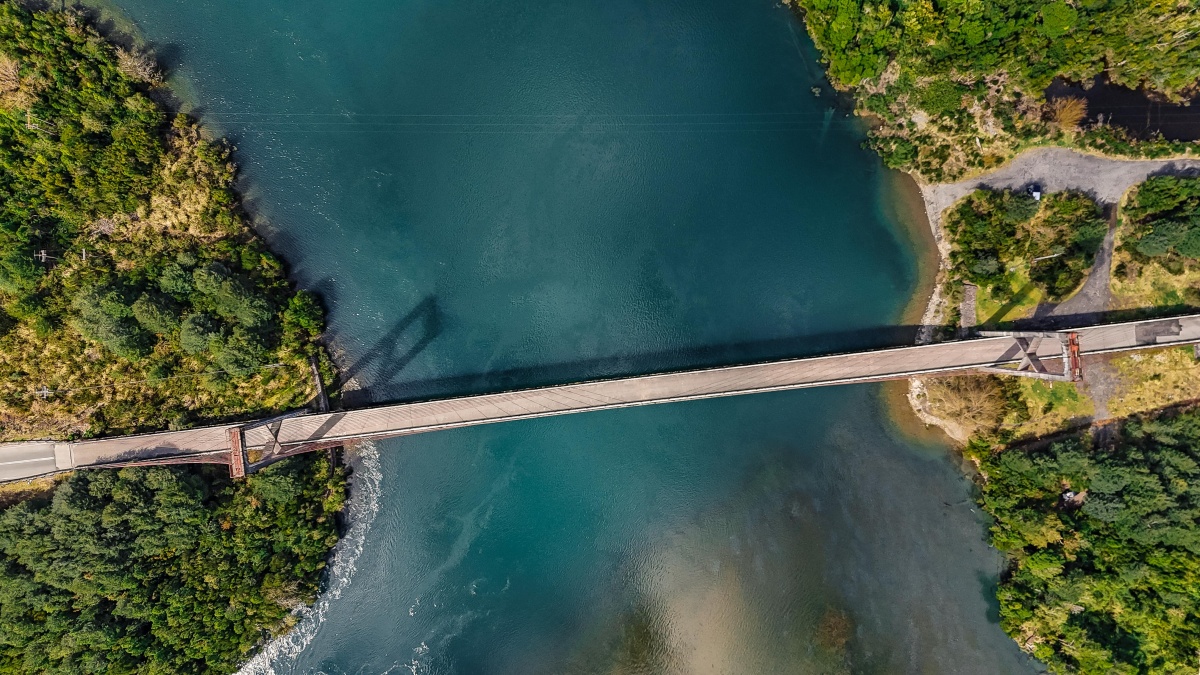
x=1141 y=286
x=1016 y=299
x=1156 y=379
x=19 y=491
x=1051 y=406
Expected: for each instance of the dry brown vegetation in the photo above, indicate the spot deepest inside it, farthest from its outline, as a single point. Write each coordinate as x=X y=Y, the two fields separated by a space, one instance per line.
x=1068 y=112
x=10 y=74
x=138 y=66
x=12 y=94
x=974 y=402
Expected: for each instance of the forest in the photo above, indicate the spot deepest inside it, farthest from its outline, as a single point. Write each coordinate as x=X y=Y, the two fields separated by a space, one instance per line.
x=162 y=570
x=1104 y=547
x=134 y=294
x=958 y=86
x=1164 y=220
x=1003 y=240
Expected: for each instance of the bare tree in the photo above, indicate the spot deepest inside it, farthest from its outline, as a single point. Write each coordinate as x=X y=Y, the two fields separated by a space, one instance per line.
x=10 y=74
x=973 y=401
x=138 y=65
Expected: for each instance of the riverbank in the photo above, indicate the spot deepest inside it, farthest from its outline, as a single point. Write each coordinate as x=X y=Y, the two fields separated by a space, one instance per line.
x=1055 y=169
x=136 y=296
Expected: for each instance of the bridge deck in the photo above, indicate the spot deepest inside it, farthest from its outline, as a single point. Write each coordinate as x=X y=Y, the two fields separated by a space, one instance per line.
x=26 y=459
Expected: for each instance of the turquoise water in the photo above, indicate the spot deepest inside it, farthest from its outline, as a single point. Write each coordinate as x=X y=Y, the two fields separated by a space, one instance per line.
x=492 y=195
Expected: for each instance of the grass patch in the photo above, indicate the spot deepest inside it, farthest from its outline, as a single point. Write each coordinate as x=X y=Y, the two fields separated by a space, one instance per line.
x=1155 y=379
x=1016 y=299
x=19 y=491
x=1052 y=406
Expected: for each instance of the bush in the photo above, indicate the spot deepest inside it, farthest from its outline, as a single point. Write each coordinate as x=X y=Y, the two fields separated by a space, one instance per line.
x=941 y=98
x=198 y=333
x=241 y=354
x=175 y=281
x=230 y=297
x=1058 y=18
x=102 y=317
x=156 y=314
x=304 y=314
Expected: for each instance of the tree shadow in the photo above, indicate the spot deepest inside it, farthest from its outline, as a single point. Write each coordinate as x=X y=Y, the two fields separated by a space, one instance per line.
x=1009 y=306
x=989 y=584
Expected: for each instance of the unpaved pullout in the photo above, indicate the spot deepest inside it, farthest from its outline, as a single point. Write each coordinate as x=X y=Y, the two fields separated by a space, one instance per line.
x=1055 y=169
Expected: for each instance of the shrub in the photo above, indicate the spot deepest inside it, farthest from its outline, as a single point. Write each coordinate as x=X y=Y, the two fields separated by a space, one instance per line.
x=1068 y=112
x=941 y=98
x=101 y=317
x=175 y=281
x=156 y=314
x=198 y=333
x=1058 y=18
x=230 y=297
x=241 y=354
x=304 y=313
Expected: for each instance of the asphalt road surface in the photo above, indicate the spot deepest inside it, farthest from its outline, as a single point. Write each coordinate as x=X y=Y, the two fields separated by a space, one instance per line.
x=20 y=460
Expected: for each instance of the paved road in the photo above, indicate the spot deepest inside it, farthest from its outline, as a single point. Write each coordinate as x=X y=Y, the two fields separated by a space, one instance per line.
x=22 y=460
x=212 y=443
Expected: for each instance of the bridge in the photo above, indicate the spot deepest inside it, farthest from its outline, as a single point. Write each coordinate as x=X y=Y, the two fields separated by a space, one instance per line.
x=249 y=445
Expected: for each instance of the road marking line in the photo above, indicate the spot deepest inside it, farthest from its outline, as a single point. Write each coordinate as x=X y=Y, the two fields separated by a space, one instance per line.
x=26 y=461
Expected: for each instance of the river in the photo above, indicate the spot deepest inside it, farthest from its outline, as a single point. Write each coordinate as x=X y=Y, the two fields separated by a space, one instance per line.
x=500 y=194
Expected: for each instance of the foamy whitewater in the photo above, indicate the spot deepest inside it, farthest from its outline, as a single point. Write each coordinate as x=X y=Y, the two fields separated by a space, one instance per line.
x=361 y=510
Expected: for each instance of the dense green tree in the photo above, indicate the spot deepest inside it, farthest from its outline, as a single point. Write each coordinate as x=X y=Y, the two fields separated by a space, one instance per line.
x=162 y=570
x=156 y=313
x=1104 y=547
x=149 y=260
x=1165 y=218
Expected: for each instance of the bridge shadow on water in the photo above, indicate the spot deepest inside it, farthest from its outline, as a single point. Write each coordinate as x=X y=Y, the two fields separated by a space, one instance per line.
x=379 y=373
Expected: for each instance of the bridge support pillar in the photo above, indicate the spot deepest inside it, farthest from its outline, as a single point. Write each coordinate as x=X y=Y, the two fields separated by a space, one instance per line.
x=237 y=454
x=1031 y=364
